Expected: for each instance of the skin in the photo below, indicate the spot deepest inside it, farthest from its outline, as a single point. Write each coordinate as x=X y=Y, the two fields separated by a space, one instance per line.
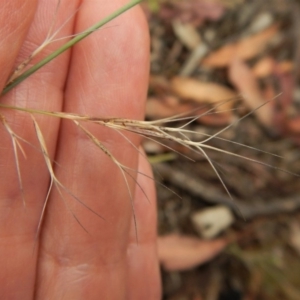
x=104 y=75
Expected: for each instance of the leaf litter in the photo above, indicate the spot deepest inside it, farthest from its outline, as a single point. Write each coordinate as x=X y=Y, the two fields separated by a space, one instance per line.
x=251 y=49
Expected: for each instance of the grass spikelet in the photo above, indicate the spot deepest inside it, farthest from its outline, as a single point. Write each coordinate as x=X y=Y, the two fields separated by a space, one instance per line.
x=16 y=145
x=123 y=169
x=54 y=181
x=157 y=130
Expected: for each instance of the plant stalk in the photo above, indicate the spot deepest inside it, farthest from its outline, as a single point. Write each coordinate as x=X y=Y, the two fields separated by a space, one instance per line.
x=68 y=45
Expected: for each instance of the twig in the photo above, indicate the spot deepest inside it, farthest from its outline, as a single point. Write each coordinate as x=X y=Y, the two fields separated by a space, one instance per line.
x=208 y=193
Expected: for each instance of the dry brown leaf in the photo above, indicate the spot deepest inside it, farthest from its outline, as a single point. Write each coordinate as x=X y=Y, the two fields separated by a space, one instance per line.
x=243 y=78
x=158 y=108
x=180 y=253
x=281 y=119
x=202 y=92
x=214 y=119
x=286 y=66
x=244 y=49
x=293 y=125
x=265 y=67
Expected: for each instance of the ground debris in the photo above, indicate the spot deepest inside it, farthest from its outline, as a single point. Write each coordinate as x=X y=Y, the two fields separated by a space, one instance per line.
x=247 y=52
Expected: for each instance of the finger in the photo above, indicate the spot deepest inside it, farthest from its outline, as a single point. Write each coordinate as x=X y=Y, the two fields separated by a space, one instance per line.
x=15 y=20
x=18 y=220
x=108 y=77
x=144 y=275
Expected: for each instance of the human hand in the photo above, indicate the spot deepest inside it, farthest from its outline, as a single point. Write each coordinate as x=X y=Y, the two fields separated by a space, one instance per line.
x=104 y=75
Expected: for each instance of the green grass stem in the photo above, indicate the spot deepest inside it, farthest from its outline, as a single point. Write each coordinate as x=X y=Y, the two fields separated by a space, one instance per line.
x=69 y=44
